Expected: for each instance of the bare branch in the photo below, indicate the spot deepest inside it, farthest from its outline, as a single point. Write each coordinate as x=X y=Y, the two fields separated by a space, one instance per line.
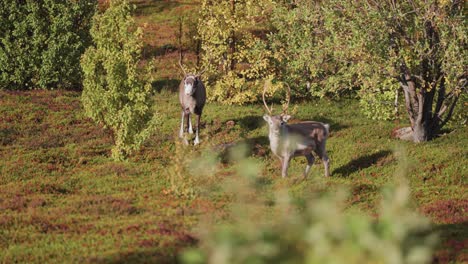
x=288 y=99
x=441 y=96
x=450 y=112
x=180 y=63
x=395 y=103
x=181 y=32
x=420 y=106
x=200 y=73
x=408 y=102
x=442 y=111
x=412 y=103
x=463 y=83
x=420 y=78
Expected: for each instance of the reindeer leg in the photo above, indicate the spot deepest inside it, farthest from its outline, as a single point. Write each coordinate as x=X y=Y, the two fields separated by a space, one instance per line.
x=188 y=122
x=190 y=128
x=310 y=161
x=181 y=132
x=284 y=170
x=326 y=162
x=197 y=140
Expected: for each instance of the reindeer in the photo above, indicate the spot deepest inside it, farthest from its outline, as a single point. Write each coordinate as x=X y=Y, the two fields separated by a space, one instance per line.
x=291 y=140
x=192 y=97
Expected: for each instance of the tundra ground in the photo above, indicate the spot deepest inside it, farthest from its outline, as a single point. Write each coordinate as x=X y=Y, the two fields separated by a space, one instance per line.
x=63 y=199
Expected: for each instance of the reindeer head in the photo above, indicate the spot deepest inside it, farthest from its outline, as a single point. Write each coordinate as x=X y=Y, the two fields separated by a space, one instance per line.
x=276 y=121
x=190 y=80
x=190 y=84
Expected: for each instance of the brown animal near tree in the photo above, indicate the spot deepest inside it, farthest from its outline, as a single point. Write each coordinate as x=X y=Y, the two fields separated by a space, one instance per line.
x=192 y=97
x=291 y=140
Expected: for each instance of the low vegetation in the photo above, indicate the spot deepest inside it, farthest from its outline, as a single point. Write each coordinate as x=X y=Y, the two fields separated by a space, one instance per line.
x=63 y=199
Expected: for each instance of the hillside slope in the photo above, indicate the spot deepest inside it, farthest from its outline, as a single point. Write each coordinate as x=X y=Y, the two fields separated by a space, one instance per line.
x=62 y=199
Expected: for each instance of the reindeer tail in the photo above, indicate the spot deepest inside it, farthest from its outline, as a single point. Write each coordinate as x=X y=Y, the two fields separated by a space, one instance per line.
x=327 y=127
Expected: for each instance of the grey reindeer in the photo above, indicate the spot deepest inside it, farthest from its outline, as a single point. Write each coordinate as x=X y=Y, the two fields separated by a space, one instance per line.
x=291 y=140
x=192 y=97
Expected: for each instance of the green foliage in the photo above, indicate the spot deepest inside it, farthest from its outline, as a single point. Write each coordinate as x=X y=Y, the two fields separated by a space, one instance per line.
x=116 y=92
x=392 y=39
x=42 y=41
x=63 y=201
x=180 y=181
x=379 y=103
x=319 y=233
x=345 y=45
x=234 y=57
x=306 y=52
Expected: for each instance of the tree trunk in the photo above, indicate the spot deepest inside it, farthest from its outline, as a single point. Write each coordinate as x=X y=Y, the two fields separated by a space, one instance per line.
x=419 y=107
x=426 y=98
x=419 y=101
x=421 y=133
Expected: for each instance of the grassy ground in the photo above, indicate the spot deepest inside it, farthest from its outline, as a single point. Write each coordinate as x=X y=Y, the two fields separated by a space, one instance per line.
x=63 y=200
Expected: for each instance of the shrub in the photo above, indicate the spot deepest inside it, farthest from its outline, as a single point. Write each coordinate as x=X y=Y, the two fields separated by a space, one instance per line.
x=379 y=49
x=234 y=57
x=319 y=232
x=302 y=50
x=117 y=93
x=414 y=46
x=42 y=41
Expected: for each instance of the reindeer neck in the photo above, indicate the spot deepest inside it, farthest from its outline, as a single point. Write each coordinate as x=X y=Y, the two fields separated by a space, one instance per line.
x=277 y=139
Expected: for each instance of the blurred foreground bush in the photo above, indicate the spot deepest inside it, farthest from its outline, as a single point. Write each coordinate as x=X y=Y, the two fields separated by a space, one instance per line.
x=41 y=42
x=319 y=232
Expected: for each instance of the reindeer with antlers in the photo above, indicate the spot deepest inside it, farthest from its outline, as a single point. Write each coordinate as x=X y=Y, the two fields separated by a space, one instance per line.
x=192 y=97
x=291 y=140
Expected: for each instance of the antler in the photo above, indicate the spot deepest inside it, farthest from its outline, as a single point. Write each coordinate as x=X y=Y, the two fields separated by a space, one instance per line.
x=288 y=98
x=264 y=102
x=180 y=63
x=200 y=73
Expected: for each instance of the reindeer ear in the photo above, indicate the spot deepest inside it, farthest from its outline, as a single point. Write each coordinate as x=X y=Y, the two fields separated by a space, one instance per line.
x=266 y=117
x=286 y=118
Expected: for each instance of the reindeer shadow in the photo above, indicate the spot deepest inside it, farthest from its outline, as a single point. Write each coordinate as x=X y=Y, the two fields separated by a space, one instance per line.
x=360 y=163
x=150 y=51
x=257 y=146
x=171 y=85
x=155 y=6
x=250 y=122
